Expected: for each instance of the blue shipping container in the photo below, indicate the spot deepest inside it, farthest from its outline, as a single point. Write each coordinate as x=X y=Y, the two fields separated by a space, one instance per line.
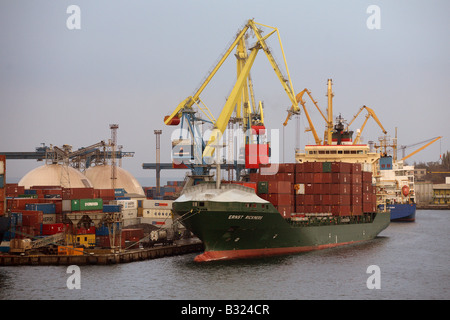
x=111 y=208
x=103 y=230
x=16 y=219
x=44 y=207
x=119 y=192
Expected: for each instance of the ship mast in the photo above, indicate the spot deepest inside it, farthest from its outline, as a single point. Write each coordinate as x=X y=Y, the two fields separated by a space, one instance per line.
x=330 y=113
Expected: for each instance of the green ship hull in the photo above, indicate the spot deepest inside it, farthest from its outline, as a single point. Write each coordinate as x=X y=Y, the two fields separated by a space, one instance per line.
x=250 y=227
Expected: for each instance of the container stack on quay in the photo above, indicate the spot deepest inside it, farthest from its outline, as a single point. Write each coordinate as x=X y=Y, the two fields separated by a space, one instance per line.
x=167 y=192
x=331 y=188
x=78 y=213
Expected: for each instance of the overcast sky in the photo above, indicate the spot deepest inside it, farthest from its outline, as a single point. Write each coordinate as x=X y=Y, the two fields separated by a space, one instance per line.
x=133 y=62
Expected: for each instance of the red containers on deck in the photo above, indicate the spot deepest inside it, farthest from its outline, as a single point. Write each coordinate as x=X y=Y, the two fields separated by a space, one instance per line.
x=280 y=187
x=319 y=187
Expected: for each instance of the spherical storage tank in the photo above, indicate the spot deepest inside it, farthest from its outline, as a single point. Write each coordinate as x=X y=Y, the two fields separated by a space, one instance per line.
x=100 y=176
x=55 y=175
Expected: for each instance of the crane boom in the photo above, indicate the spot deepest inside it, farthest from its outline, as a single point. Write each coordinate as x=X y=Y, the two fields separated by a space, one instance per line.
x=370 y=113
x=189 y=101
x=421 y=148
x=236 y=93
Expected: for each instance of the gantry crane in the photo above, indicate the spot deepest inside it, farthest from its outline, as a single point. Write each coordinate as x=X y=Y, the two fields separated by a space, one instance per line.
x=240 y=100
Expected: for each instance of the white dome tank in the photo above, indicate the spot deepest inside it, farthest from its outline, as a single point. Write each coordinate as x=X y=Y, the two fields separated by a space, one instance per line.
x=54 y=175
x=100 y=176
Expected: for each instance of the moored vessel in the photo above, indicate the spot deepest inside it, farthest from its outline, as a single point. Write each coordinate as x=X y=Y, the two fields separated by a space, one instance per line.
x=234 y=222
x=395 y=182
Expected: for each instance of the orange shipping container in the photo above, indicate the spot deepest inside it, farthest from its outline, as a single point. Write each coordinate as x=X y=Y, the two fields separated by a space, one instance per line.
x=356 y=178
x=340 y=199
x=366 y=176
x=280 y=199
x=343 y=210
x=340 y=188
x=280 y=187
x=299 y=167
x=341 y=177
x=356 y=209
x=342 y=167
x=356 y=168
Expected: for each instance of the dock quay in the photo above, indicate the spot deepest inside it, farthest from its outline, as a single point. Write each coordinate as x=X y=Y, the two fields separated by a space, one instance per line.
x=433 y=206
x=178 y=248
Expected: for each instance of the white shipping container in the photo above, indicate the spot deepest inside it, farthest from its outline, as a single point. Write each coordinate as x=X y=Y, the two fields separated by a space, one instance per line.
x=447 y=180
x=157 y=213
x=126 y=204
x=129 y=213
x=159 y=222
x=151 y=204
x=366 y=167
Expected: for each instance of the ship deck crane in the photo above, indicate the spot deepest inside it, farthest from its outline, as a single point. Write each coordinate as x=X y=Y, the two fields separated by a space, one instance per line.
x=238 y=100
x=328 y=134
x=292 y=111
x=328 y=119
x=370 y=113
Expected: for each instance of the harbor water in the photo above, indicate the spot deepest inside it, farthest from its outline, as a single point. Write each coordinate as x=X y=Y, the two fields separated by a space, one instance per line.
x=413 y=261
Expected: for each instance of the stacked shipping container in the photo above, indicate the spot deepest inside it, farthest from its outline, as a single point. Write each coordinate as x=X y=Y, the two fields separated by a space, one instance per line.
x=339 y=188
x=39 y=211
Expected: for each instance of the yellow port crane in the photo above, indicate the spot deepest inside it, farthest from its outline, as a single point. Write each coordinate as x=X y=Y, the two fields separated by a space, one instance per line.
x=242 y=92
x=370 y=113
x=292 y=111
x=329 y=117
x=430 y=141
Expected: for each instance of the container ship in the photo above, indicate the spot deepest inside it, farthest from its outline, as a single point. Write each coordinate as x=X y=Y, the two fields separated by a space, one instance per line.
x=325 y=199
x=308 y=206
